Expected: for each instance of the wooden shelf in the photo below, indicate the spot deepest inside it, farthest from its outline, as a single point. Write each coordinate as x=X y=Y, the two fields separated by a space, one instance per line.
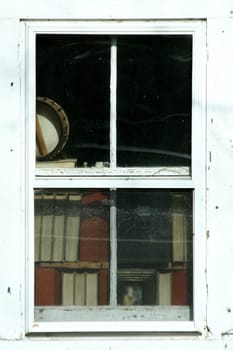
x=75 y=265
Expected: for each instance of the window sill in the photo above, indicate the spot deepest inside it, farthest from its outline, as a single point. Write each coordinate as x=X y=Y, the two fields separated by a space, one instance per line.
x=173 y=327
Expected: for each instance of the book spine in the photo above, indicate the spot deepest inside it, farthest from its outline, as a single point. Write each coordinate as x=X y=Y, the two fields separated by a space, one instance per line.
x=47 y=206
x=92 y=289
x=47 y=287
x=163 y=295
x=94 y=228
x=79 y=288
x=179 y=229
x=72 y=227
x=37 y=224
x=103 y=287
x=67 y=288
x=59 y=227
x=179 y=287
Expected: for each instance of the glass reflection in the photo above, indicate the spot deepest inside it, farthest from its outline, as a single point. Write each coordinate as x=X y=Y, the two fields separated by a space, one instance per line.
x=71 y=247
x=154 y=250
x=154 y=90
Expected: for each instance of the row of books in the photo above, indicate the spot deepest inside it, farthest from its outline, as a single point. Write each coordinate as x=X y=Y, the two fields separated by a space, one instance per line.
x=152 y=287
x=172 y=288
x=70 y=227
x=75 y=227
x=54 y=287
x=91 y=288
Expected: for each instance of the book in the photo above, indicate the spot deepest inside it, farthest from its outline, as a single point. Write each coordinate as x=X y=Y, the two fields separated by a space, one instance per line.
x=47 y=287
x=91 y=289
x=94 y=197
x=37 y=224
x=59 y=227
x=79 y=288
x=94 y=228
x=72 y=227
x=179 y=229
x=67 y=288
x=47 y=211
x=179 y=288
x=172 y=288
x=163 y=292
x=61 y=163
x=94 y=240
x=103 y=282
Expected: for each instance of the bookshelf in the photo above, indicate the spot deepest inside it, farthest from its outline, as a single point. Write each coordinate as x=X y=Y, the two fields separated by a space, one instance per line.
x=72 y=253
x=71 y=248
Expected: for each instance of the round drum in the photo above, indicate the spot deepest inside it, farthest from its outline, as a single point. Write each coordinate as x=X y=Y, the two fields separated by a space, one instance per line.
x=52 y=129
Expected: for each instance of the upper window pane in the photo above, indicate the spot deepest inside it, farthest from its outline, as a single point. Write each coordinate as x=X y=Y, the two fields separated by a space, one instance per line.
x=74 y=71
x=154 y=100
x=107 y=101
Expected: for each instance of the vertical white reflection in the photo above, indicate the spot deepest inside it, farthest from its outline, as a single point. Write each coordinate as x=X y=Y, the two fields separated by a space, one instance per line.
x=113 y=102
x=113 y=246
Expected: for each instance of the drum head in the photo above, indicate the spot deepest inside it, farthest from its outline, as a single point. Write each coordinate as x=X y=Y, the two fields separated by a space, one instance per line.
x=52 y=129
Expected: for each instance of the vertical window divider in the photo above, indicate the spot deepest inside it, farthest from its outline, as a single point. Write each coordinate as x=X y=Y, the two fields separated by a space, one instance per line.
x=113 y=102
x=113 y=248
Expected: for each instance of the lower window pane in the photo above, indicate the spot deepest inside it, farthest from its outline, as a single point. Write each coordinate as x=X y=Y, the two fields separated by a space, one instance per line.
x=71 y=248
x=113 y=250
x=154 y=250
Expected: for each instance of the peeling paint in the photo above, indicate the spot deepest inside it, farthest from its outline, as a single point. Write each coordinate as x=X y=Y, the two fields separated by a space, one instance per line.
x=208 y=330
x=210 y=156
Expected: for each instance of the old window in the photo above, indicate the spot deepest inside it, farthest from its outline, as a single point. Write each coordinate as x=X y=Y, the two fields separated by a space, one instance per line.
x=116 y=181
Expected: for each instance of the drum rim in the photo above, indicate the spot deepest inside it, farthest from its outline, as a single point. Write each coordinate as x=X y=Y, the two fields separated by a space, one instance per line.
x=65 y=128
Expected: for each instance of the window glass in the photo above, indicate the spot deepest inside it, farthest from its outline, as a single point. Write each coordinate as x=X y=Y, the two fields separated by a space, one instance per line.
x=154 y=100
x=154 y=247
x=143 y=91
x=118 y=248
x=116 y=243
x=74 y=72
x=71 y=247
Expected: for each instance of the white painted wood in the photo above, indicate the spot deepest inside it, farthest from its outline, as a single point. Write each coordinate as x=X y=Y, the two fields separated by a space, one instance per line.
x=135 y=318
x=199 y=175
x=219 y=178
x=117 y=343
x=121 y=9
x=155 y=172
x=113 y=104
x=111 y=326
x=113 y=249
x=126 y=178
x=109 y=182
x=11 y=179
x=218 y=310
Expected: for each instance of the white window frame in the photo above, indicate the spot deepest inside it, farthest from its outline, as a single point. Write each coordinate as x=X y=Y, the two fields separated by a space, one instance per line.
x=159 y=178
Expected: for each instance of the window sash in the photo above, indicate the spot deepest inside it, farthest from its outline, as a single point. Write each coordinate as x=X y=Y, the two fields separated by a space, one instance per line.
x=113 y=168
x=144 y=178
x=129 y=28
